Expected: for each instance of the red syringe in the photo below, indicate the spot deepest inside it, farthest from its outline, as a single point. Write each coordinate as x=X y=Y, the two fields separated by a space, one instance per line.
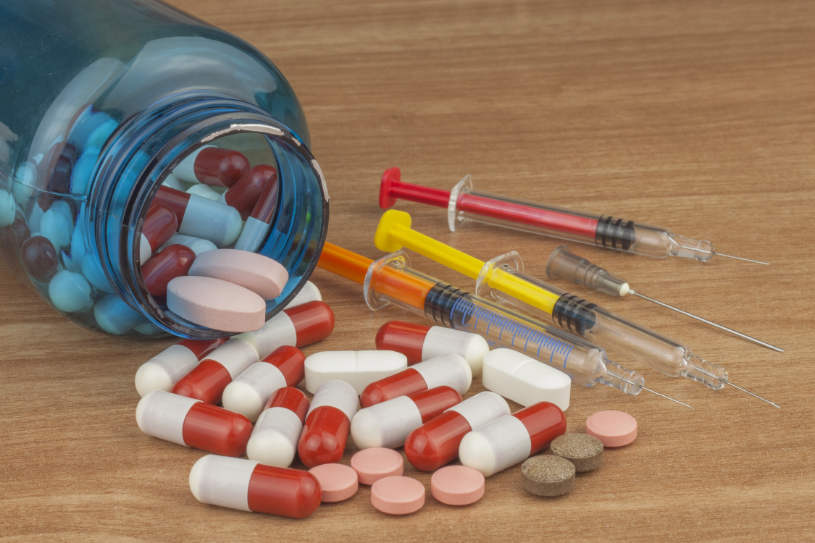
x=463 y=204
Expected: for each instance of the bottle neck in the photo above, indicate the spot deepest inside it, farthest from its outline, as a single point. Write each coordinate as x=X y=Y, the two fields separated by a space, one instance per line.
x=147 y=148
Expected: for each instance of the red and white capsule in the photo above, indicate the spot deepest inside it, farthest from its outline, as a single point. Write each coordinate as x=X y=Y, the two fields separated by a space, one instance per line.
x=436 y=442
x=159 y=225
x=387 y=424
x=327 y=423
x=244 y=194
x=213 y=166
x=171 y=262
x=246 y=485
x=260 y=219
x=511 y=439
x=190 y=422
x=308 y=293
x=274 y=439
x=200 y=217
x=247 y=393
x=446 y=370
x=207 y=381
x=420 y=342
x=166 y=368
x=298 y=326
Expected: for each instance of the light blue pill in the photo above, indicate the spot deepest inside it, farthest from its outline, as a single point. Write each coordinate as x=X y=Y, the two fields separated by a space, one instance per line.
x=101 y=133
x=148 y=329
x=8 y=208
x=57 y=224
x=83 y=169
x=69 y=292
x=93 y=272
x=114 y=316
x=88 y=121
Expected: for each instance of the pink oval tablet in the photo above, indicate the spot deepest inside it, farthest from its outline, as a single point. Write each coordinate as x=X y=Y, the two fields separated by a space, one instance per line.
x=216 y=304
x=338 y=482
x=613 y=428
x=258 y=273
x=377 y=462
x=457 y=485
x=397 y=495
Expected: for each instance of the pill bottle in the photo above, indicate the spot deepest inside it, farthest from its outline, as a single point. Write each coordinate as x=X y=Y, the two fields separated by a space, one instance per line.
x=100 y=101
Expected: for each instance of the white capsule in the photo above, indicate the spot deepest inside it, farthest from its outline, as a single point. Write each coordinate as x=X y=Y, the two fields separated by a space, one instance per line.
x=358 y=368
x=274 y=438
x=387 y=424
x=204 y=191
x=185 y=171
x=174 y=183
x=222 y=481
x=446 y=370
x=524 y=380
x=211 y=220
x=481 y=408
x=510 y=439
x=440 y=340
x=165 y=369
x=196 y=245
x=337 y=394
x=309 y=293
x=278 y=331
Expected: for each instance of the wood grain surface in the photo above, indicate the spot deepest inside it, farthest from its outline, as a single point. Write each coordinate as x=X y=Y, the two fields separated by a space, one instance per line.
x=695 y=116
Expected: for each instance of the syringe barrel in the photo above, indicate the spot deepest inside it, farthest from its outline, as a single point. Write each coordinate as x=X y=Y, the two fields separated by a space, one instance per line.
x=448 y=306
x=626 y=236
x=609 y=331
x=563 y=264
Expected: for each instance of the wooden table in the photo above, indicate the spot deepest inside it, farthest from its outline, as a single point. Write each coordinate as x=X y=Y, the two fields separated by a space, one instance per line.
x=687 y=115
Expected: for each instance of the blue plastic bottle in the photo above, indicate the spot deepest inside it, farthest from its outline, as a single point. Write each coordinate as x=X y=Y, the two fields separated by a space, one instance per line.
x=99 y=101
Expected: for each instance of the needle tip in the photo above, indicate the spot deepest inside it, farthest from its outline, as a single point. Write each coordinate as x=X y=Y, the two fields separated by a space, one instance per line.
x=754 y=395
x=652 y=391
x=743 y=259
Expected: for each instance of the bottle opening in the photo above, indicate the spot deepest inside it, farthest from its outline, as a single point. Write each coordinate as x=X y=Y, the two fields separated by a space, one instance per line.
x=248 y=190
x=197 y=182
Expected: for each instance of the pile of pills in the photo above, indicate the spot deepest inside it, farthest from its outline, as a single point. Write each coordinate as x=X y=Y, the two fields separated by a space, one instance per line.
x=196 y=249
x=240 y=397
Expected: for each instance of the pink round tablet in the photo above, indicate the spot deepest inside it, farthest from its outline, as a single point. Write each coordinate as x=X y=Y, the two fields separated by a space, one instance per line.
x=338 y=482
x=457 y=485
x=613 y=428
x=258 y=273
x=397 y=495
x=216 y=304
x=377 y=462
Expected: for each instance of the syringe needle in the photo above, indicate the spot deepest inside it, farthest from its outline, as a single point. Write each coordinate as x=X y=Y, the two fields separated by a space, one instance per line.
x=741 y=258
x=650 y=390
x=704 y=320
x=754 y=395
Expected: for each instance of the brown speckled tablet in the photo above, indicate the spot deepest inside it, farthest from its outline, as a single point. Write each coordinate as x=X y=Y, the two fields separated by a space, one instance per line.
x=583 y=450
x=547 y=475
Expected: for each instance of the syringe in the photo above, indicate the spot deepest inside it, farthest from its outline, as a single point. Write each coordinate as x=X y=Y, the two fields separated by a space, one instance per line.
x=564 y=264
x=389 y=281
x=503 y=279
x=463 y=204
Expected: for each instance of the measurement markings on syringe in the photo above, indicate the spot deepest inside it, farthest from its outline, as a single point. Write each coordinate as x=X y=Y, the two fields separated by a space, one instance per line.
x=519 y=335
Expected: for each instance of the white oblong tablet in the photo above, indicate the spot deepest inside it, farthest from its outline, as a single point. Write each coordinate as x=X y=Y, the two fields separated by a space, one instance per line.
x=258 y=273
x=524 y=380
x=358 y=368
x=216 y=304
